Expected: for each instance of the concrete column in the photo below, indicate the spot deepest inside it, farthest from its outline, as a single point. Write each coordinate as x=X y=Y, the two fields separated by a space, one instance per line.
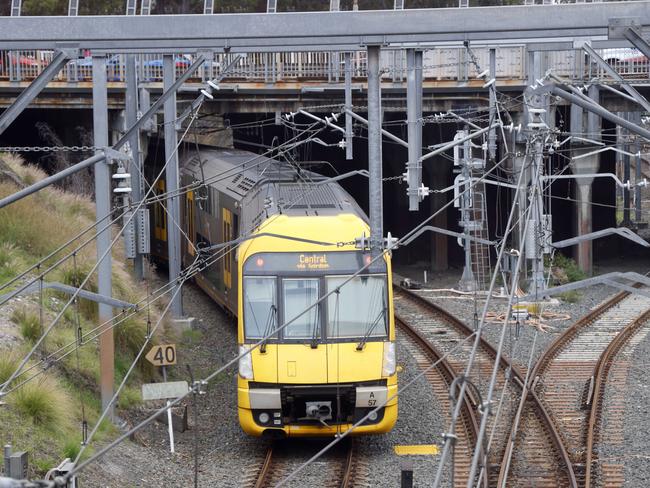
x=171 y=179
x=590 y=164
x=103 y=210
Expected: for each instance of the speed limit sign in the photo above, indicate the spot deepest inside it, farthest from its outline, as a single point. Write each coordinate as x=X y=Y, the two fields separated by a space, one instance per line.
x=162 y=355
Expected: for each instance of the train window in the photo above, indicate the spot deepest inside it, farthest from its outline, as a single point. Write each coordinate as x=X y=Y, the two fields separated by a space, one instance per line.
x=360 y=308
x=299 y=294
x=260 y=309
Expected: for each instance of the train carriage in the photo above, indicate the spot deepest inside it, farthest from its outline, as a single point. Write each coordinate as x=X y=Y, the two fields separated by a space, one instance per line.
x=329 y=366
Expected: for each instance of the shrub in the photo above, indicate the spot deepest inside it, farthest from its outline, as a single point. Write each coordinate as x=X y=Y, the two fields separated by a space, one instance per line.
x=8 y=364
x=569 y=270
x=8 y=265
x=41 y=402
x=29 y=323
x=129 y=398
x=71 y=448
x=74 y=277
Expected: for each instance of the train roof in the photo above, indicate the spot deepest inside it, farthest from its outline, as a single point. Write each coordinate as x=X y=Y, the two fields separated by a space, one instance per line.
x=264 y=186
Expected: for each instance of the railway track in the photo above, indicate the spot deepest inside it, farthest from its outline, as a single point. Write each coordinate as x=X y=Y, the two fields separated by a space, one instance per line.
x=338 y=468
x=570 y=379
x=441 y=379
x=547 y=460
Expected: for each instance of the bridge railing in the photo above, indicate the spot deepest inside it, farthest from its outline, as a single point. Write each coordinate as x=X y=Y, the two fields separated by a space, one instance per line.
x=452 y=64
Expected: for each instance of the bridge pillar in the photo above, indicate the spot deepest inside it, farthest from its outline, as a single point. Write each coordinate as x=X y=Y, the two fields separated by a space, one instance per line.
x=585 y=165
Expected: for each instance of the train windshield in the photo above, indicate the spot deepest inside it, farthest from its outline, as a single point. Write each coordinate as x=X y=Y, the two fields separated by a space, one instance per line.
x=299 y=295
x=260 y=309
x=360 y=309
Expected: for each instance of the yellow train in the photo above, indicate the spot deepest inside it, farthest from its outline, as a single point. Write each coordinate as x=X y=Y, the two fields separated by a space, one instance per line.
x=331 y=365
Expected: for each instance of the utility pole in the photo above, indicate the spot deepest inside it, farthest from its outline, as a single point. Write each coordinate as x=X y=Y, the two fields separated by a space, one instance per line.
x=414 y=114
x=348 y=106
x=171 y=179
x=375 y=200
x=103 y=210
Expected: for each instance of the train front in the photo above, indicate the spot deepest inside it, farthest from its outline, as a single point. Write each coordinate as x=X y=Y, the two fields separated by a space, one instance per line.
x=335 y=363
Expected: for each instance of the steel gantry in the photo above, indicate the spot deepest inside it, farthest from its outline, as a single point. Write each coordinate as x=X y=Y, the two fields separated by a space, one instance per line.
x=549 y=26
x=328 y=31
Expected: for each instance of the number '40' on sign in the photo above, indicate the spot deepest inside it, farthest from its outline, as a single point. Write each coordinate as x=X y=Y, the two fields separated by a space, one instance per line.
x=162 y=355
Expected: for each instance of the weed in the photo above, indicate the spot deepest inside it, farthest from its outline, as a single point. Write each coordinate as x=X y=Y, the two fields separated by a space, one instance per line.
x=191 y=336
x=571 y=296
x=42 y=464
x=29 y=323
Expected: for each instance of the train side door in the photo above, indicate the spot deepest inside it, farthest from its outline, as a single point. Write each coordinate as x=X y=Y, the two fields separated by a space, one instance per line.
x=226 y=220
x=160 y=216
x=189 y=214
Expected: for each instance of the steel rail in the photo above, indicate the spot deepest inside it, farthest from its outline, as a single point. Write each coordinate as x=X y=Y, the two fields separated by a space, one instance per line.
x=572 y=331
x=266 y=467
x=448 y=374
x=506 y=365
x=544 y=362
x=265 y=475
x=601 y=373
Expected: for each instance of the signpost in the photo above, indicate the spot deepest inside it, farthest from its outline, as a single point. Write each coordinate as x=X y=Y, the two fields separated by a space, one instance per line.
x=164 y=355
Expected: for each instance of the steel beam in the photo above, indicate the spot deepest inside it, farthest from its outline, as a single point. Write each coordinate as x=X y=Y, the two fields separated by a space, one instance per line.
x=451 y=144
x=121 y=142
x=599 y=111
x=35 y=87
x=70 y=290
x=621 y=231
x=168 y=92
x=100 y=156
x=375 y=186
x=614 y=74
x=103 y=240
x=637 y=41
x=384 y=132
x=327 y=31
x=413 y=122
x=492 y=135
x=131 y=114
x=171 y=178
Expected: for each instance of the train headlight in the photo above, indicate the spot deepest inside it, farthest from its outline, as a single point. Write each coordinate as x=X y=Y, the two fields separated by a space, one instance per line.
x=245 y=363
x=388 y=364
x=264 y=418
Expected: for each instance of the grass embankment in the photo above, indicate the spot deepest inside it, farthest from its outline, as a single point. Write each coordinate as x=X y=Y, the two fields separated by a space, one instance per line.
x=44 y=416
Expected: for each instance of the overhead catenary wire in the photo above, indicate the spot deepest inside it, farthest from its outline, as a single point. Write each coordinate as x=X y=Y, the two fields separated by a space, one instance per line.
x=83 y=283
x=145 y=422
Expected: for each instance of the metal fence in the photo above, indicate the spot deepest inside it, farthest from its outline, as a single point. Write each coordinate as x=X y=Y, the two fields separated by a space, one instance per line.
x=452 y=64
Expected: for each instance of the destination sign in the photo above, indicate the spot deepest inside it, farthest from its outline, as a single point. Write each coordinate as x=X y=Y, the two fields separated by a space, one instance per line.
x=329 y=262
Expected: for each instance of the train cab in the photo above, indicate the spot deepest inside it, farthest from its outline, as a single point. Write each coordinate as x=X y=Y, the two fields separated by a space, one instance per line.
x=329 y=354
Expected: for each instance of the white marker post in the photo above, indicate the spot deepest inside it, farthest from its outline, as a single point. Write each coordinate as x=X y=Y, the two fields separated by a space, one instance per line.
x=169 y=415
